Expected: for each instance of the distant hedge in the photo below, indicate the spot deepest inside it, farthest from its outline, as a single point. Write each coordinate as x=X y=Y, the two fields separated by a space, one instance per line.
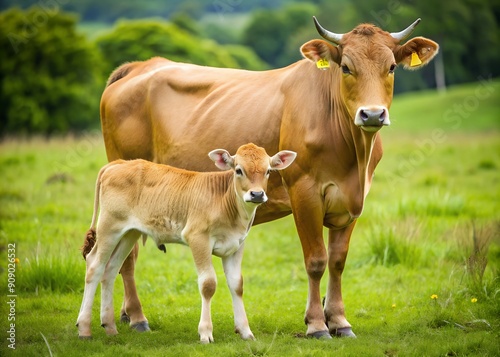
x=52 y=77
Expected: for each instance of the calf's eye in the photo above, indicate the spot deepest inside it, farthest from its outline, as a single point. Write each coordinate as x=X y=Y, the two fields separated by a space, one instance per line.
x=345 y=69
x=239 y=172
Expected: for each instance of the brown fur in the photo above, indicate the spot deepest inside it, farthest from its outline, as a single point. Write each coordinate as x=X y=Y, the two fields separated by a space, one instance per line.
x=88 y=243
x=119 y=73
x=170 y=106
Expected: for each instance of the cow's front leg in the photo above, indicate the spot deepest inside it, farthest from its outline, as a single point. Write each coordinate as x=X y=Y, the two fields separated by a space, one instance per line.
x=232 y=270
x=207 y=283
x=338 y=246
x=131 y=311
x=308 y=215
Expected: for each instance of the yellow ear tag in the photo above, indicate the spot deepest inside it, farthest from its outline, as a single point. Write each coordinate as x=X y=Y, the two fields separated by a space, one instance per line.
x=323 y=64
x=415 y=60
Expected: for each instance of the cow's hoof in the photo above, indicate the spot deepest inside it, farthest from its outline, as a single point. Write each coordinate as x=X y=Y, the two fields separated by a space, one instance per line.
x=124 y=319
x=85 y=338
x=343 y=332
x=142 y=326
x=320 y=335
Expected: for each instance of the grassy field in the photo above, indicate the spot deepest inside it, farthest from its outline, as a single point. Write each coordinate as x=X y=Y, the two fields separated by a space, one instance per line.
x=430 y=229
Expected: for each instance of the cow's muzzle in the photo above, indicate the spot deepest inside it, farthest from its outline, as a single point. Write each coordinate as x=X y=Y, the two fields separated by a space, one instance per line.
x=372 y=118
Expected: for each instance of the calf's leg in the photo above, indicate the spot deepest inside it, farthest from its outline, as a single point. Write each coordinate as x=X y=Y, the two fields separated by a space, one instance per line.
x=232 y=270
x=96 y=264
x=207 y=283
x=122 y=250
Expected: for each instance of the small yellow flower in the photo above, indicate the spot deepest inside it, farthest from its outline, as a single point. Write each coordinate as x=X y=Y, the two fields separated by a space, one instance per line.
x=473 y=300
x=16 y=260
x=434 y=296
x=393 y=306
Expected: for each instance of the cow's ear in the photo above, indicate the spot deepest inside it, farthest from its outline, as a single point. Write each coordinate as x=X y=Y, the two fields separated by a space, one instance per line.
x=416 y=53
x=223 y=160
x=283 y=159
x=319 y=50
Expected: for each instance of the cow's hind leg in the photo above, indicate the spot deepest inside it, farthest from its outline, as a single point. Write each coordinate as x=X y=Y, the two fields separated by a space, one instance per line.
x=234 y=278
x=131 y=311
x=338 y=246
x=122 y=250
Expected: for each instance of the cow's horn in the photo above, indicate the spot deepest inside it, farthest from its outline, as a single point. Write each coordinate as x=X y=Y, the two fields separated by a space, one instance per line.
x=330 y=36
x=400 y=36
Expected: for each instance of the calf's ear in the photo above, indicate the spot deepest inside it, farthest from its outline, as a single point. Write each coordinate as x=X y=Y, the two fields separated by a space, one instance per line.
x=283 y=159
x=416 y=53
x=223 y=160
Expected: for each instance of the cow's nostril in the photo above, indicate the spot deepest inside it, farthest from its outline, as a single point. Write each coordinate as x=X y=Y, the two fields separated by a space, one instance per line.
x=372 y=117
x=382 y=116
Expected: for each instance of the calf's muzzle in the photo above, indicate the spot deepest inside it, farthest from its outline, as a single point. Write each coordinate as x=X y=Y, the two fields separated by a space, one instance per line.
x=258 y=197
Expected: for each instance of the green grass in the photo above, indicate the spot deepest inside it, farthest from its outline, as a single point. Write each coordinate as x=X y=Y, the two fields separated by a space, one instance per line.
x=430 y=226
x=462 y=108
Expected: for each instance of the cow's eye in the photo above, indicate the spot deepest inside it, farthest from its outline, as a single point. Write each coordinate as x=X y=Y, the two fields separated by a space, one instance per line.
x=345 y=69
x=239 y=172
x=392 y=68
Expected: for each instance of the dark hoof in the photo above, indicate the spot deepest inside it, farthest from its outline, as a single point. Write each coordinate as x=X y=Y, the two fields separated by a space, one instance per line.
x=124 y=319
x=141 y=326
x=343 y=332
x=320 y=335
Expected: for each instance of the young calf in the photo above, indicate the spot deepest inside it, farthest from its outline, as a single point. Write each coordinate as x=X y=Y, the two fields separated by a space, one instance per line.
x=211 y=212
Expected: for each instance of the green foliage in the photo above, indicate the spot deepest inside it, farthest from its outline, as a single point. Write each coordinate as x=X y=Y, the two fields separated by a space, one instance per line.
x=143 y=39
x=50 y=75
x=269 y=31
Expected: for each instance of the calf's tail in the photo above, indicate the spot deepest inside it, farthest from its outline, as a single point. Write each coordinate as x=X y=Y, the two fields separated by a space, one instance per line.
x=90 y=236
x=88 y=243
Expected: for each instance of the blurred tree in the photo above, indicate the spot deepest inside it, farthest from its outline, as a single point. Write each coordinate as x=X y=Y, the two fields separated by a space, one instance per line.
x=466 y=30
x=266 y=34
x=112 y=10
x=142 y=39
x=50 y=75
x=269 y=32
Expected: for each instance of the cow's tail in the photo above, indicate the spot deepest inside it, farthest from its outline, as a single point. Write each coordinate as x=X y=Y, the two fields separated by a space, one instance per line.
x=90 y=236
x=120 y=72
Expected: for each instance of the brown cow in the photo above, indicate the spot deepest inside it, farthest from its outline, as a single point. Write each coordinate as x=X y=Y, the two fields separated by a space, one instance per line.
x=327 y=107
x=211 y=212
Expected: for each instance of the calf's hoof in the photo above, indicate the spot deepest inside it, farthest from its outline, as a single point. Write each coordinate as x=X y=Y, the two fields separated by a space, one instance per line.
x=110 y=329
x=343 y=332
x=84 y=338
x=206 y=337
x=320 y=335
x=245 y=334
x=206 y=340
x=142 y=326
